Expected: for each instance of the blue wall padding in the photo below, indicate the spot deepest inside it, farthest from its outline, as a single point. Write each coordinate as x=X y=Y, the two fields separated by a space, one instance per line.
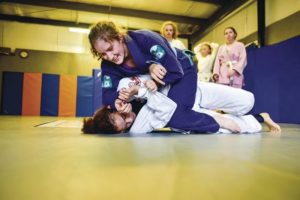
x=272 y=74
x=97 y=96
x=84 y=101
x=50 y=92
x=12 y=89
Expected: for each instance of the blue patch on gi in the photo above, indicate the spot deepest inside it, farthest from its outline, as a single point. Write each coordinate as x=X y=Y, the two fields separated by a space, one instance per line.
x=157 y=52
x=106 y=82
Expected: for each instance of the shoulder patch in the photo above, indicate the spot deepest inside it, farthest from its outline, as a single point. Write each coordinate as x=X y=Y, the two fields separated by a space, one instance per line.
x=106 y=82
x=157 y=52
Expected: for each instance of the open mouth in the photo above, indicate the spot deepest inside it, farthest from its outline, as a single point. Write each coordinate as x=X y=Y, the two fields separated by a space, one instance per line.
x=115 y=59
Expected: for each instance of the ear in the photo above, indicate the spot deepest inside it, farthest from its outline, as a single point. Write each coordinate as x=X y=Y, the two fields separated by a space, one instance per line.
x=109 y=107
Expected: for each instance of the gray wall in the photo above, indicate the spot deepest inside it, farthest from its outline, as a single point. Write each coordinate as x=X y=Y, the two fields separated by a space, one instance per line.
x=279 y=31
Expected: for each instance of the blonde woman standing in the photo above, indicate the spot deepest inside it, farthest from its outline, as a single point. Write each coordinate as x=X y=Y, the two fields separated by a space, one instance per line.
x=169 y=31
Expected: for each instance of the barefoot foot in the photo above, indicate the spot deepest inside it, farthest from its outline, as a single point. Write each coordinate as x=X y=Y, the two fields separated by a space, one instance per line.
x=273 y=127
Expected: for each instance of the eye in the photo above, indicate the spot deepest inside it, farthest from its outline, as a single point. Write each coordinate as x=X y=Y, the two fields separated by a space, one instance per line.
x=123 y=117
x=102 y=55
x=110 y=48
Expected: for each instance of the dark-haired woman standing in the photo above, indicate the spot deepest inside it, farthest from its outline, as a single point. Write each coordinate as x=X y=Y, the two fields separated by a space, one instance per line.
x=231 y=61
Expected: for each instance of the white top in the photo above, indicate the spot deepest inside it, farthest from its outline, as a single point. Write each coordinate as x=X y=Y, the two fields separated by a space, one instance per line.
x=155 y=114
x=158 y=110
x=177 y=44
x=205 y=64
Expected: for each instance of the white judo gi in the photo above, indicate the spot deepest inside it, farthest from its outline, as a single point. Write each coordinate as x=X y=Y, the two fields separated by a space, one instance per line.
x=159 y=109
x=236 y=102
x=205 y=64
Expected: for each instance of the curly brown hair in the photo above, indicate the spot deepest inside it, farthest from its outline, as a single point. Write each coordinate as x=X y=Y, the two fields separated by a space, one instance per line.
x=101 y=122
x=106 y=30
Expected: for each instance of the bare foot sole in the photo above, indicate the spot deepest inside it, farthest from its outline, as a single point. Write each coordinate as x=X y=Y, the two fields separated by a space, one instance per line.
x=273 y=127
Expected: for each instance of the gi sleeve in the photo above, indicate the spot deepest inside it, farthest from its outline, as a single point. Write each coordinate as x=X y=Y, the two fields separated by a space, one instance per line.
x=109 y=84
x=217 y=64
x=155 y=114
x=197 y=51
x=161 y=53
x=241 y=64
x=214 y=48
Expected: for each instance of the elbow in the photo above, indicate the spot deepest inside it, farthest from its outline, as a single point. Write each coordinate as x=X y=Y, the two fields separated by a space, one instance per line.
x=178 y=76
x=169 y=79
x=106 y=101
x=108 y=104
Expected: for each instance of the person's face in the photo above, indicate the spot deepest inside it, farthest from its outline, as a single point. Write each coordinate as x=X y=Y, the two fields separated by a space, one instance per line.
x=122 y=121
x=204 y=50
x=168 y=32
x=114 y=51
x=229 y=35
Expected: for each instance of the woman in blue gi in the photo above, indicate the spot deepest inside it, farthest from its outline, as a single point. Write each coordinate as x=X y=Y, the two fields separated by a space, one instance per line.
x=140 y=52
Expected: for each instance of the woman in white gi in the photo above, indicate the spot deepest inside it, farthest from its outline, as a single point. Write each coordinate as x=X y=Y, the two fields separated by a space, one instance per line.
x=205 y=54
x=159 y=110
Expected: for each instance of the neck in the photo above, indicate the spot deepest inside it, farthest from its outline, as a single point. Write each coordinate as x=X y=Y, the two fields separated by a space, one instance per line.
x=129 y=60
x=169 y=39
x=230 y=41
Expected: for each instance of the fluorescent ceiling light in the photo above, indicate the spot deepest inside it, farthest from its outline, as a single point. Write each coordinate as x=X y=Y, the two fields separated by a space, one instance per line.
x=79 y=30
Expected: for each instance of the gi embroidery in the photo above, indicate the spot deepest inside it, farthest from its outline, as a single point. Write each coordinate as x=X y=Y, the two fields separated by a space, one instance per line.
x=106 y=83
x=157 y=51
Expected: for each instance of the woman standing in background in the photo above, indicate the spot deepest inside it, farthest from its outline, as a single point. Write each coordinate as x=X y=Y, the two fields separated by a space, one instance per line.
x=205 y=53
x=169 y=31
x=231 y=61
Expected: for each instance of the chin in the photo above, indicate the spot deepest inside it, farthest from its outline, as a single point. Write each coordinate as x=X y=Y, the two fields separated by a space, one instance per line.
x=118 y=62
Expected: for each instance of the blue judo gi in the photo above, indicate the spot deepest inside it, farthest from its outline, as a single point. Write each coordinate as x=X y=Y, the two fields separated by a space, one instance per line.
x=148 y=47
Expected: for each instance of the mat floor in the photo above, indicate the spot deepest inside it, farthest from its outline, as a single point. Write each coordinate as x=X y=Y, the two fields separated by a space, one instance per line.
x=58 y=162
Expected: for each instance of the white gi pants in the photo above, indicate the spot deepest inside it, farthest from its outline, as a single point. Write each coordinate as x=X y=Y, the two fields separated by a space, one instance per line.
x=236 y=102
x=231 y=100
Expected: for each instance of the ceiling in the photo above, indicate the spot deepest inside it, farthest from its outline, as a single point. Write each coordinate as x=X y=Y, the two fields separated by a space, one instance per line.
x=193 y=17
